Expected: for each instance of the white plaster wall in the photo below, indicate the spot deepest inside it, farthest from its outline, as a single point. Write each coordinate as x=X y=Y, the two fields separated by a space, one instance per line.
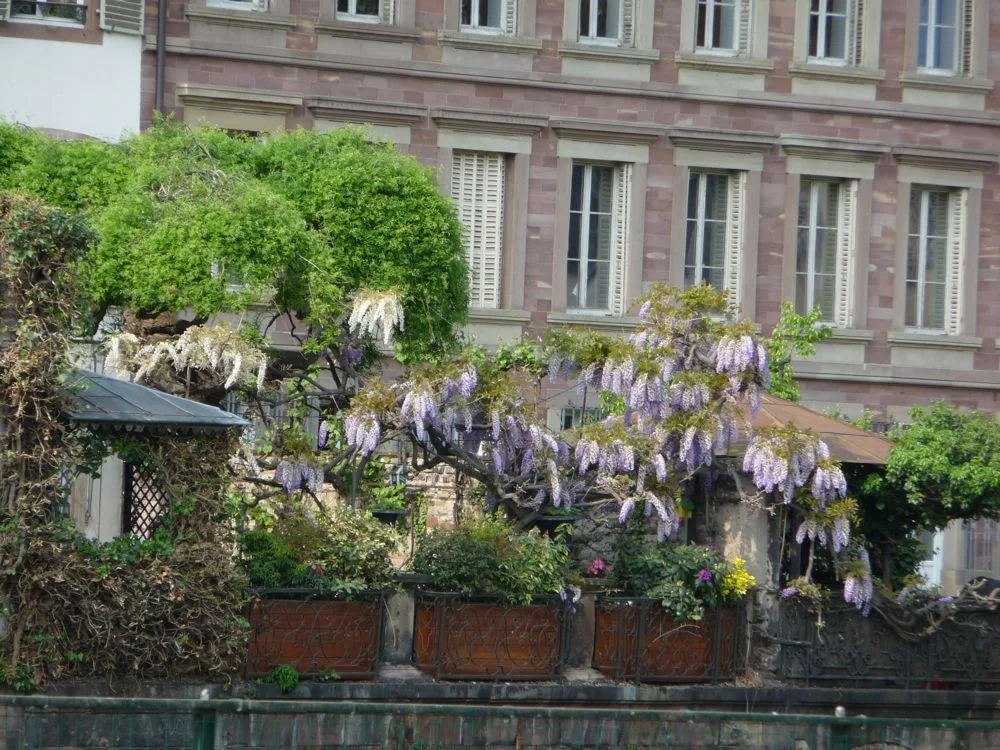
x=92 y=89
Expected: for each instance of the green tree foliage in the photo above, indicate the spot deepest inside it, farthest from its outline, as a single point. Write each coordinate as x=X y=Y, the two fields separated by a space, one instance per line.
x=797 y=335
x=201 y=220
x=945 y=466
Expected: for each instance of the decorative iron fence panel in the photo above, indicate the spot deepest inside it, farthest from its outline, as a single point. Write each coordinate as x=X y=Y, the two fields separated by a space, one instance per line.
x=315 y=633
x=851 y=650
x=474 y=638
x=636 y=640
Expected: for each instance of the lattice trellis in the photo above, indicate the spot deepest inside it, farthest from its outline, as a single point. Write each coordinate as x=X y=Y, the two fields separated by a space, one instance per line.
x=144 y=505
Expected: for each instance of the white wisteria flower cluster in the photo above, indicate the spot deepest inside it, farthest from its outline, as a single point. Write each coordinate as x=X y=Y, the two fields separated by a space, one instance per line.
x=217 y=351
x=376 y=313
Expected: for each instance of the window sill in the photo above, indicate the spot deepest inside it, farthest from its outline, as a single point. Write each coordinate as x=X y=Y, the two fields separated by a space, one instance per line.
x=28 y=28
x=381 y=32
x=723 y=63
x=595 y=320
x=842 y=73
x=933 y=340
x=249 y=17
x=496 y=315
x=490 y=43
x=851 y=336
x=608 y=53
x=932 y=82
x=58 y=23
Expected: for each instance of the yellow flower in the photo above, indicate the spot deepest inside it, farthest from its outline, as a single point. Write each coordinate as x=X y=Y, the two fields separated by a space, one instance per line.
x=737 y=581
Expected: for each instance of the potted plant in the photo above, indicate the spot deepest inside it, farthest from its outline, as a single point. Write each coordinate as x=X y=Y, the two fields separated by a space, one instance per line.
x=674 y=618
x=494 y=608
x=557 y=522
x=389 y=503
x=318 y=584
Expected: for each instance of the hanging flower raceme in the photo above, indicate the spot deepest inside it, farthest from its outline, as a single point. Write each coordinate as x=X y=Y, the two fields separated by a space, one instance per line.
x=782 y=459
x=810 y=529
x=298 y=474
x=841 y=533
x=420 y=409
x=377 y=313
x=363 y=431
x=828 y=481
x=737 y=354
x=858 y=585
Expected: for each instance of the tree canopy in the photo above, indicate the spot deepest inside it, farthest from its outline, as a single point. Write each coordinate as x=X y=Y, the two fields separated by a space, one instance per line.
x=944 y=466
x=207 y=221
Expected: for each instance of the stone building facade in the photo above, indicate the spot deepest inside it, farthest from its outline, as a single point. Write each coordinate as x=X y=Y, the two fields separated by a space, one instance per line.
x=834 y=153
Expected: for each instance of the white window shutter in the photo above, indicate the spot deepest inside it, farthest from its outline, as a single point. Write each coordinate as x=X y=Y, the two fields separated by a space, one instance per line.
x=846 y=232
x=743 y=44
x=388 y=14
x=477 y=186
x=619 y=240
x=965 y=36
x=956 y=251
x=734 y=235
x=4 y=10
x=510 y=17
x=123 y=16
x=628 y=23
x=856 y=42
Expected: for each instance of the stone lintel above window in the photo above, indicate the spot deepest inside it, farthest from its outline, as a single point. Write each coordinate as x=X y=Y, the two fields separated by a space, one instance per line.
x=944 y=159
x=482 y=121
x=606 y=131
x=729 y=141
x=363 y=110
x=833 y=149
x=236 y=99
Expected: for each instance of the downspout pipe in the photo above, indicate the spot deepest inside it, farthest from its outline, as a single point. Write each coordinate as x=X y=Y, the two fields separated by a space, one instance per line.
x=161 y=51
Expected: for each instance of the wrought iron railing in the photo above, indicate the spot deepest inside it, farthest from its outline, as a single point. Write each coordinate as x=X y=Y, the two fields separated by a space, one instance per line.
x=636 y=640
x=316 y=634
x=46 y=9
x=461 y=637
x=851 y=650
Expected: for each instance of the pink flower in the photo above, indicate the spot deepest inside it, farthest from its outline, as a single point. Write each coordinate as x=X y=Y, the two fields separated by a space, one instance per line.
x=597 y=568
x=705 y=575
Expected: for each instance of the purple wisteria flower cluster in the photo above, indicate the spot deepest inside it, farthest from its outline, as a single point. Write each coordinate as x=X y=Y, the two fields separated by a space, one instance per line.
x=780 y=463
x=298 y=474
x=363 y=432
x=858 y=585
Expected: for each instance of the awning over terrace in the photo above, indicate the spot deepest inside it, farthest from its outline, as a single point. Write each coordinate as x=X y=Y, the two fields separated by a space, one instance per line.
x=847 y=443
x=109 y=403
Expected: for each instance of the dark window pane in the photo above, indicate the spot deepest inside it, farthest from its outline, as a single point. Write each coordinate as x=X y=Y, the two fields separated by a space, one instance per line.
x=584 y=19
x=576 y=193
x=573 y=284
x=467 y=12
x=700 y=23
x=574 y=235
x=342 y=6
x=911 y=303
x=368 y=7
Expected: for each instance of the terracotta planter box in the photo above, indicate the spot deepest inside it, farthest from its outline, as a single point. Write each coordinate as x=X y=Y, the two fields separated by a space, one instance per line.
x=637 y=641
x=315 y=636
x=463 y=639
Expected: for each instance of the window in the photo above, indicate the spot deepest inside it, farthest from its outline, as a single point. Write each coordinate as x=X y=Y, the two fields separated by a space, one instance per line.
x=54 y=12
x=824 y=248
x=575 y=416
x=597 y=238
x=477 y=186
x=718 y=26
x=714 y=229
x=489 y=16
x=979 y=535
x=360 y=10
x=933 y=259
x=945 y=36
x=836 y=31
x=603 y=20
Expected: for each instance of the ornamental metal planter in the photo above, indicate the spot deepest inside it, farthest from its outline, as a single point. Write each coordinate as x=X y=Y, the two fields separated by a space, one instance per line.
x=636 y=640
x=460 y=637
x=315 y=633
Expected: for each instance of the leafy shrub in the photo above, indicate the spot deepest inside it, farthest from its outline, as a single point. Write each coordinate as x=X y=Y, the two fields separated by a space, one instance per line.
x=286 y=677
x=686 y=578
x=345 y=551
x=489 y=557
